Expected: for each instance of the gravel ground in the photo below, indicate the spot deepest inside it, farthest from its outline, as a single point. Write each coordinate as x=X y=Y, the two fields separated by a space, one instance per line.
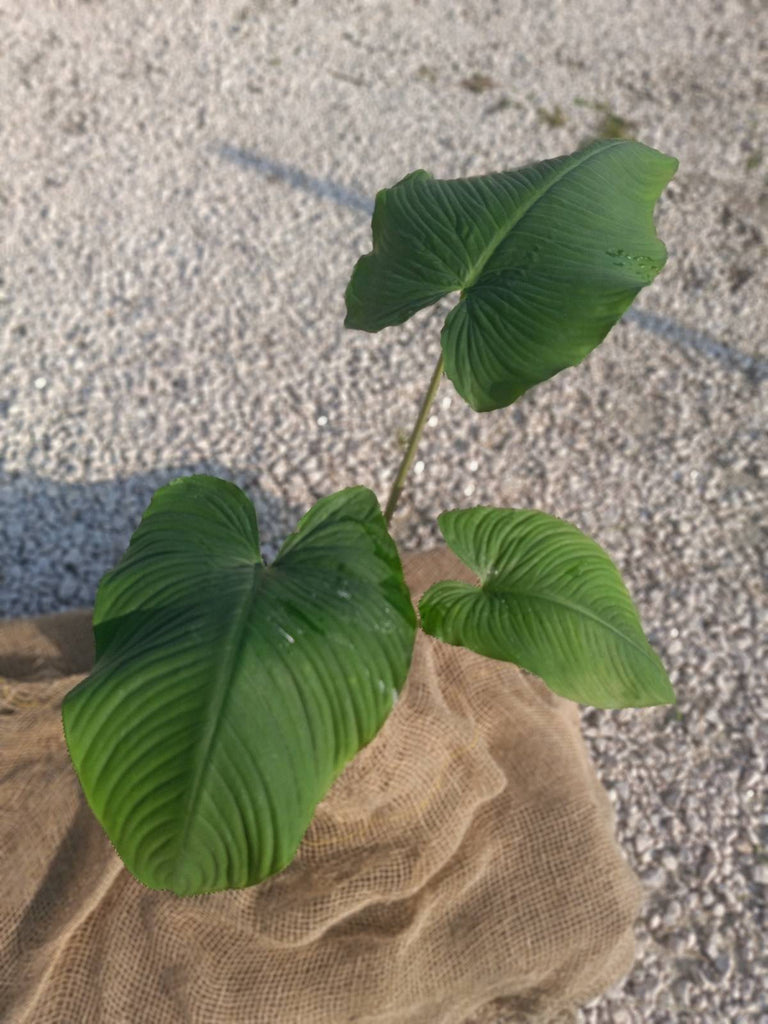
x=184 y=189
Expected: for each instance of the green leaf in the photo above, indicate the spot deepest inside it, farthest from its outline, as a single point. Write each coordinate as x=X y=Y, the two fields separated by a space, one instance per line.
x=547 y=258
x=551 y=601
x=227 y=695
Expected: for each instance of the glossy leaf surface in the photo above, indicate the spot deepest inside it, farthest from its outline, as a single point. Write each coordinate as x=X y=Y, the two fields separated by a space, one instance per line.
x=227 y=695
x=550 y=600
x=547 y=258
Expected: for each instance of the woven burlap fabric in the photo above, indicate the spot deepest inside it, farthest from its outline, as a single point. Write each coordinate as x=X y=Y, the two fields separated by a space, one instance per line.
x=462 y=866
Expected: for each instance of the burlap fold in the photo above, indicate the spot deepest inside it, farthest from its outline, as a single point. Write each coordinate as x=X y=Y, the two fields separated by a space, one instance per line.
x=463 y=864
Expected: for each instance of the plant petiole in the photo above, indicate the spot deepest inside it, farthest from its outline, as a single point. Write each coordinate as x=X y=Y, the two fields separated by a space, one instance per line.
x=413 y=442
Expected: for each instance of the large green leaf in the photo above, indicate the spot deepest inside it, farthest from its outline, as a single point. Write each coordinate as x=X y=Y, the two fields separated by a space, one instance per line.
x=227 y=695
x=550 y=600
x=547 y=259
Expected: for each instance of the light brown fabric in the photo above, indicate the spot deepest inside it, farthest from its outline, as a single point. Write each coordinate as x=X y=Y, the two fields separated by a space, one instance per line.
x=463 y=864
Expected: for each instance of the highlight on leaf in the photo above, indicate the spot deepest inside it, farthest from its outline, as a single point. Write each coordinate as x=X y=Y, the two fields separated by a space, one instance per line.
x=550 y=600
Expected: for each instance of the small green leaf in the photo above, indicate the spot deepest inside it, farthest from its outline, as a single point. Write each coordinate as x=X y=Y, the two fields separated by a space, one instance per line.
x=551 y=601
x=547 y=258
x=227 y=695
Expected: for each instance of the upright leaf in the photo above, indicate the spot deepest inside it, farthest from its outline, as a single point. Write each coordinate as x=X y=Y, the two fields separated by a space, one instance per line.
x=227 y=695
x=550 y=600
x=547 y=258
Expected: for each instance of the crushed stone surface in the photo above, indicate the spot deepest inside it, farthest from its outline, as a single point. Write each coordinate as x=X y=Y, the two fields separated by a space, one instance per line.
x=184 y=190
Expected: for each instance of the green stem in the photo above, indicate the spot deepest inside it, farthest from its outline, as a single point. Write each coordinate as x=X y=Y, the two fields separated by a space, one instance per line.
x=413 y=443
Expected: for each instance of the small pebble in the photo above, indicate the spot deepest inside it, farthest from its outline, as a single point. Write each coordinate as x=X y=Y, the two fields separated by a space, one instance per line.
x=669 y=861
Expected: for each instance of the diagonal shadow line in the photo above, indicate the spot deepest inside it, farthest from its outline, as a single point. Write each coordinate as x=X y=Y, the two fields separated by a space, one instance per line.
x=690 y=337
x=753 y=367
x=296 y=178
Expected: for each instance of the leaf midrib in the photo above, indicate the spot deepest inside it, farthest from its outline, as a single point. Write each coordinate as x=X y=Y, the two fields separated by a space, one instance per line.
x=520 y=214
x=222 y=694
x=574 y=608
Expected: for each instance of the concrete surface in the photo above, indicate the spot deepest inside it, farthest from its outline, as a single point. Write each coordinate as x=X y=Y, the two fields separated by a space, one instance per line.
x=184 y=189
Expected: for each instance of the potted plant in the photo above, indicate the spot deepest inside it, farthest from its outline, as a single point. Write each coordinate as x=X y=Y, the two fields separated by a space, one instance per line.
x=227 y=694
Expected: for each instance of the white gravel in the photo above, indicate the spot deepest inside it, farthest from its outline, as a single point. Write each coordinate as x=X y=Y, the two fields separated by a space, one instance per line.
x=184 y=189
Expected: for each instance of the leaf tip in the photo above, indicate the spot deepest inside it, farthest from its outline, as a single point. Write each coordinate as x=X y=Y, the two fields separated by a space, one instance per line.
x=417 y=175
x=444 y=515
x=667 y=692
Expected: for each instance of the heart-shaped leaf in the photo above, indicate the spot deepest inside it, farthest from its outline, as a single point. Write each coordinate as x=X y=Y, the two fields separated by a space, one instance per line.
x=547 y=259
x=551 y=601
x=227 y=695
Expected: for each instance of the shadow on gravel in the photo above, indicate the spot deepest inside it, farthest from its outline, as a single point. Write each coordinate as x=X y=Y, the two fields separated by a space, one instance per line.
x=274 y=170
x=58 y=539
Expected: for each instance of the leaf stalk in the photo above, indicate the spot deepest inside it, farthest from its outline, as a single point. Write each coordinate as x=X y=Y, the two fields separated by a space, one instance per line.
x=413 y=442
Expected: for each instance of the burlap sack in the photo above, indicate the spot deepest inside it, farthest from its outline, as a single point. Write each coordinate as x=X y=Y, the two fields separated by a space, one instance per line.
x=464 y=863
